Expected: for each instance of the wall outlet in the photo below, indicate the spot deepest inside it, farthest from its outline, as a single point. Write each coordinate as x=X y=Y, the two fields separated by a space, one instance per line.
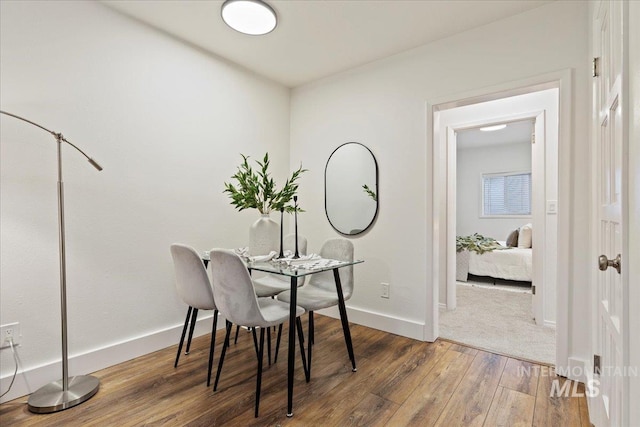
x=10 y=331
x=384 y=290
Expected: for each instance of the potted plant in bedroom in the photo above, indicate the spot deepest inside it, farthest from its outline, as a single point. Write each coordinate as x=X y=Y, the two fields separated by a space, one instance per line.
x=255 y=189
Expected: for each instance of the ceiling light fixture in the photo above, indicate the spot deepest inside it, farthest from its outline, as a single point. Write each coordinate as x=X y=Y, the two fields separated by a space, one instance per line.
x=253 y=17
x=492 y=128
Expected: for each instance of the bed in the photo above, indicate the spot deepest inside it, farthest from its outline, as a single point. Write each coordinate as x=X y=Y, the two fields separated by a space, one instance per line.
x=506 y=264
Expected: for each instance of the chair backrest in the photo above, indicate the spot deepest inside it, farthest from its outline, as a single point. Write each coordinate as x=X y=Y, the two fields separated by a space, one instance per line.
x=289 y=243
x=192 y=281
x=340 y=249
x=233 y=290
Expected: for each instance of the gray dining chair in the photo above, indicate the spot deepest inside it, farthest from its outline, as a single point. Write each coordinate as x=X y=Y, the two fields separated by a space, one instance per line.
x=238 y=303
x=194 y=288
x=322 y=292
x=271 y=285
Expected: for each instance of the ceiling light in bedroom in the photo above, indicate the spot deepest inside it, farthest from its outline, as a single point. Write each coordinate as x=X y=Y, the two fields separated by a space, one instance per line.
x=253 y=17
x=492 y=128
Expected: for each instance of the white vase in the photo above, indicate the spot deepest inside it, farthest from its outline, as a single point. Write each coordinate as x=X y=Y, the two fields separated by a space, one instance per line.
x=264 y=236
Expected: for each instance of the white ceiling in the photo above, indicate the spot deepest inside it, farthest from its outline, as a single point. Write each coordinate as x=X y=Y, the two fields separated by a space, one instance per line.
x=514 y=133
x=317 y=38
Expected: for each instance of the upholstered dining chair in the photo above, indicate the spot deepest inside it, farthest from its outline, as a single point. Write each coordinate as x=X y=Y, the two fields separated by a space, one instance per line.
x=271 y=285
x=238 y=303
x=321 y=292
x=194 y=288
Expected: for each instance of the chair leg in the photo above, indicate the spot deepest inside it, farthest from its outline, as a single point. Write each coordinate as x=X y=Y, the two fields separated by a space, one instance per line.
x=307 y=370
x=274 y=326
x=224 y=351
x=184 y=332
x=213 y=344
x=235 y=340
x=194 y=317
x=255 y=340
x=259 y=379
x=310 y=343
x=269 y=345
x=275 y=358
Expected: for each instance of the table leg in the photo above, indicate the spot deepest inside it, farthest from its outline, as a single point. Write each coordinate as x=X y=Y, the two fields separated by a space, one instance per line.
x=292 y=344
x=345 y=320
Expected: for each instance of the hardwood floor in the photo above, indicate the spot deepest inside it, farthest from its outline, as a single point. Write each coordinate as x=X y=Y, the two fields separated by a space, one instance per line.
x=400 y=382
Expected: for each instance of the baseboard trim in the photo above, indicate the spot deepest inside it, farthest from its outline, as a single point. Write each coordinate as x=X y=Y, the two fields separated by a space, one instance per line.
x=394 y=325
x=31 y=379
x=576 y=370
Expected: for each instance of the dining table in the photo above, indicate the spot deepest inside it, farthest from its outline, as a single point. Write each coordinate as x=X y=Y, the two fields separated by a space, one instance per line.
x=295 y=269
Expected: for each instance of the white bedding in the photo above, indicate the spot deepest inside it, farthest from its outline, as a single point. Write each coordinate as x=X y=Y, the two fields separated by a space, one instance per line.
x=508 y=264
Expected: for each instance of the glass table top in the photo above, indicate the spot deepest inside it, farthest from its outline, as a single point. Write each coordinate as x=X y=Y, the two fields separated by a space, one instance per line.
x=299 y=268
x=294 y=268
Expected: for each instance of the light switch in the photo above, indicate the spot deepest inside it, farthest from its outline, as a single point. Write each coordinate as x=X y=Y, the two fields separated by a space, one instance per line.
x=552 y=207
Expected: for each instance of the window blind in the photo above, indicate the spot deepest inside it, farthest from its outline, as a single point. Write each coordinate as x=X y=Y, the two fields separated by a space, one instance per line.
x=506 y=194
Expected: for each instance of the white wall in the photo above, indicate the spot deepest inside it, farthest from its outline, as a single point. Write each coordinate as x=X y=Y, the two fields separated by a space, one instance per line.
x=472 y=163
x=383 y=105
x=167 y=122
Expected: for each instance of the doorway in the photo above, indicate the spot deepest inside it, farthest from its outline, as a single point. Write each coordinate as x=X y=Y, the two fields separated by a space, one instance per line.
x=543 y=102
x=492 y=287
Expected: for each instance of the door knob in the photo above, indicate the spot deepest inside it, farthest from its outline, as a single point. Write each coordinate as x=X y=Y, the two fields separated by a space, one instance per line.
x=604 y=263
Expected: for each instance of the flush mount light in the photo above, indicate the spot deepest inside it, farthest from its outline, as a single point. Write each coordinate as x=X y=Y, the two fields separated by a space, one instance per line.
x=253 y=17
x=492 y=128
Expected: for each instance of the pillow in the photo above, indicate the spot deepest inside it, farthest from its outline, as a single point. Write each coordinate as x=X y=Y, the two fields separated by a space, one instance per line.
x=524 y=236
x=512 y=240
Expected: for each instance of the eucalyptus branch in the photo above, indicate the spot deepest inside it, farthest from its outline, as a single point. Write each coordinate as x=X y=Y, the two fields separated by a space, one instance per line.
x=257 y=190
x=370 y=192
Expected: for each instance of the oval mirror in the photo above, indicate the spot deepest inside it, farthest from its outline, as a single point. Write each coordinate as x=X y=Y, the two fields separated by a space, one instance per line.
x=351 y=188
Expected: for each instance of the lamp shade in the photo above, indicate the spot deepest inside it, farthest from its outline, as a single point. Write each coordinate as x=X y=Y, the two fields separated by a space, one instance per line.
x=253 y=17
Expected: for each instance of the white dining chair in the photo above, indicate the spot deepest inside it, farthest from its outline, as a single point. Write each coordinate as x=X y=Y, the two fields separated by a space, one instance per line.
x=194 y=288
x=321 y=292
x=238 y=303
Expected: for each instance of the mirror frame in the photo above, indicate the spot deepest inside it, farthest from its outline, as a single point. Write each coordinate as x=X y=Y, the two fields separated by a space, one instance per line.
x=375 y=215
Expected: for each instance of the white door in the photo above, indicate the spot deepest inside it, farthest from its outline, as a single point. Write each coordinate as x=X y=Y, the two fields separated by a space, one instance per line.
x=611 y=287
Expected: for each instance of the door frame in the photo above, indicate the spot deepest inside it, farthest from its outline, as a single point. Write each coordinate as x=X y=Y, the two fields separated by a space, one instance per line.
x=436 y=161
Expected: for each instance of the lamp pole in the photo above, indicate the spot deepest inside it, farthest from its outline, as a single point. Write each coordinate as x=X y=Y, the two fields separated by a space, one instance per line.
x=67 y=392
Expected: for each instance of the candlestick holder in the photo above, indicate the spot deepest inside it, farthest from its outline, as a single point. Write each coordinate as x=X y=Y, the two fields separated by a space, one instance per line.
x=295 y=211
x=281 y=255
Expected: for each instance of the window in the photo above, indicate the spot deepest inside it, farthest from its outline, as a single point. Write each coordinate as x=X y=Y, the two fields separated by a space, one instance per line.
x=506 y=194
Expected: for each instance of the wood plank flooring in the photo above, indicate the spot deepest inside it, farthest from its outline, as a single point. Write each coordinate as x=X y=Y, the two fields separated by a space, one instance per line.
x=399 y=382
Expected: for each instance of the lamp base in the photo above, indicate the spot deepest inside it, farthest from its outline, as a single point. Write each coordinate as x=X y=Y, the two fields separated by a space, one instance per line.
x=51 y=398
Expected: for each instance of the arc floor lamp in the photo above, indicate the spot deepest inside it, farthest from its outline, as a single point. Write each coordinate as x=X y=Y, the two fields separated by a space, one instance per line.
x=67 y=392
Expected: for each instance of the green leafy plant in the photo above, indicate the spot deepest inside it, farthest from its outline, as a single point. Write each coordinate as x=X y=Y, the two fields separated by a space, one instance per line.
x=476 y=243
x=257 y=190
x=370 y=192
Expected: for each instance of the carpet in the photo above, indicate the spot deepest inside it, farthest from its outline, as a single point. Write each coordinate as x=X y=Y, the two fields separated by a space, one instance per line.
x=498 y=321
